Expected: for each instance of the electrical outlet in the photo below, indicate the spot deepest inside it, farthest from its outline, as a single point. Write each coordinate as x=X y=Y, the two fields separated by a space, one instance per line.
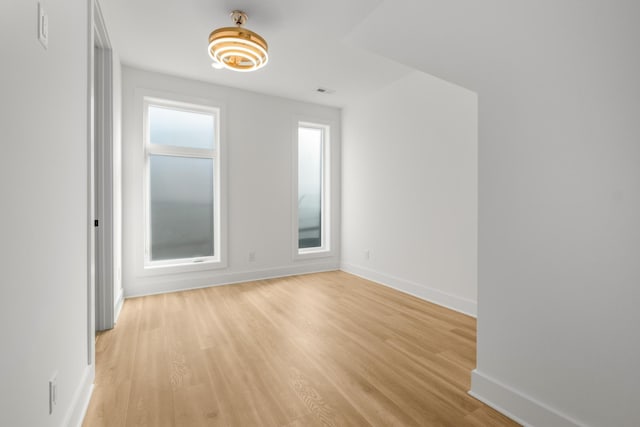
x=43 y=26
x=53 y=391
x=252 y=256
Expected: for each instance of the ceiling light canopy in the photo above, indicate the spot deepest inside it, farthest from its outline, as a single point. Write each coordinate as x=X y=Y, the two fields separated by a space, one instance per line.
x=237 y=48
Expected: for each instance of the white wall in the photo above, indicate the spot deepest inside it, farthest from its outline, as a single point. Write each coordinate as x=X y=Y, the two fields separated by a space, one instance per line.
x=43 y=213
x=558 y=329
x=410 y=189
x=260 y=133
x=559 y=194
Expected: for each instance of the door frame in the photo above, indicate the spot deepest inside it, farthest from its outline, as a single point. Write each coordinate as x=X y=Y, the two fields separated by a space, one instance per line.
x=103 y=122
x=100 y=281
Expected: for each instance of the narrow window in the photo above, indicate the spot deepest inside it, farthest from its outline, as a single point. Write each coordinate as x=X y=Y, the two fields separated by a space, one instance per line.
x=182 y=197
x=313 y=223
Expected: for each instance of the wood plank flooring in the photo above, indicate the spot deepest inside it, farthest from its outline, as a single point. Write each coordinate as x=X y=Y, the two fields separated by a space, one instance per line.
x=327 y=349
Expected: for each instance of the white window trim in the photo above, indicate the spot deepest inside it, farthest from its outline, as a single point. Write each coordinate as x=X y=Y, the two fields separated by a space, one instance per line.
x=219 y=202
x=326 y=249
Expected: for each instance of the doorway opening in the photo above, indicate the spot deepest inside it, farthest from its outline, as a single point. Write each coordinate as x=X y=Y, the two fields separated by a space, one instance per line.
x=102 y=159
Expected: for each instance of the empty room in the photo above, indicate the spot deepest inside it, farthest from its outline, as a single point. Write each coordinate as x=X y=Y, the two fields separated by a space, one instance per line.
x=289 y=213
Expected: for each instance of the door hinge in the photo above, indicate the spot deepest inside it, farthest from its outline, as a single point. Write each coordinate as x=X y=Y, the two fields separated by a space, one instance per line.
x=95 y=223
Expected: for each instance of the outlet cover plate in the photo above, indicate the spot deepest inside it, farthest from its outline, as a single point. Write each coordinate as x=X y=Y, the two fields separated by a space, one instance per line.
x=53 y=386
x=43 y=26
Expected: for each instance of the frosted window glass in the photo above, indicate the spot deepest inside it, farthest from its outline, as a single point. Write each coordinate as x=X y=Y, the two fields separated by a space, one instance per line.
x=309 y=187
x=181 y=207
x=181 y=128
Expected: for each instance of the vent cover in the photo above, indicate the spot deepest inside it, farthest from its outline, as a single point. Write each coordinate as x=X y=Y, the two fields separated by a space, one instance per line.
x=324 y=90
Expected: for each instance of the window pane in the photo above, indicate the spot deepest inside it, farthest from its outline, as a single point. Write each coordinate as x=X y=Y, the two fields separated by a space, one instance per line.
x=181 y=128
x=309 y=187
x=181 y=207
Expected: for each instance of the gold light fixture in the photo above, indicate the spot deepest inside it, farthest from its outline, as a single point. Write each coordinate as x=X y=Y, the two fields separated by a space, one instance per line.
x=237 y=48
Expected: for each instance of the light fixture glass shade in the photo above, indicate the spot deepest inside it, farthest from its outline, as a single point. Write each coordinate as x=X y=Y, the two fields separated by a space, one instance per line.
x=237 y=48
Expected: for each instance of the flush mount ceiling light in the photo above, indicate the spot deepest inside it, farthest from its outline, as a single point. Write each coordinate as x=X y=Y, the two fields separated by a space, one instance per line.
x=237 y=48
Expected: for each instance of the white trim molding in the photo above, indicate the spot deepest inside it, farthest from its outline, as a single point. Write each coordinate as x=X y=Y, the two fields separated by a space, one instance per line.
x=103 y=173
x=418 y=290
x=326 y=248
x=213 y=154
x=173 y=284
x=515 y=404
x=80 y=400
x=118 y=306
x=143 y=267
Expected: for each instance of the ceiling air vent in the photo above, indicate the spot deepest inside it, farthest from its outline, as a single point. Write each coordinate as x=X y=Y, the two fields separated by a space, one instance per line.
x=325 y=90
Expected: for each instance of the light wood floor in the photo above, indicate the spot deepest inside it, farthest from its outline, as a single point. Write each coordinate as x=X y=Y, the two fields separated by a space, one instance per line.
x=326 y=349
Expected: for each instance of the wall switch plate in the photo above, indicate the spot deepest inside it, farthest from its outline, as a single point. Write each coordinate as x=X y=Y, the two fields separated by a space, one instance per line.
x=53 y=390
x=43 y=26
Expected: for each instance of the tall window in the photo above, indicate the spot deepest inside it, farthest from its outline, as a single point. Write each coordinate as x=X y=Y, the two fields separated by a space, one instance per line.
x=313 y=200
x=182 y=183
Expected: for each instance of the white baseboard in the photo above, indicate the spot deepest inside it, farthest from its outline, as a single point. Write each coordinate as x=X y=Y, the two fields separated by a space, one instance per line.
x=118 y=307
x=516 y=405
x=426 y=293
x=80 y=400
x=153 y=286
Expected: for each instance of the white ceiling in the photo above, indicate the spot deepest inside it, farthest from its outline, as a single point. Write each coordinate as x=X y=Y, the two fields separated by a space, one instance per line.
x=497 y=44
x=307 y=44
x=359 y=46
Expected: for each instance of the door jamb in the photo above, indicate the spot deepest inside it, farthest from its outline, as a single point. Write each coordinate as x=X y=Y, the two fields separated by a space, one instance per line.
x=100 y=304
x=104 y=174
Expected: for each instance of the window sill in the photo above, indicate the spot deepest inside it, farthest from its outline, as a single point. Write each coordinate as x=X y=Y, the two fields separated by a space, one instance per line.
x=311 y=254
x=184 y=267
